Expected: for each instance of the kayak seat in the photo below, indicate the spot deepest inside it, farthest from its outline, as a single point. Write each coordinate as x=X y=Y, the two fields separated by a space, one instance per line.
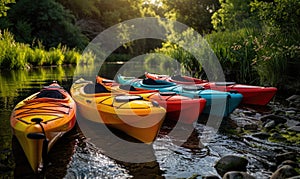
x=224 y=83
x=95 y=88
x=149 y=81
x=127 y=88
x=127 y=98
x=179 y=78
x=50 y=94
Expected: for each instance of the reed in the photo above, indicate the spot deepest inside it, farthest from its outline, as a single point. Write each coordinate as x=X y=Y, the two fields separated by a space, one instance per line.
x=15 y=55
x=235 y=52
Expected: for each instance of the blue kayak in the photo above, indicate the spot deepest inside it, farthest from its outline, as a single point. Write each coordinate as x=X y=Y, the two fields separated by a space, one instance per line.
x=218 y=103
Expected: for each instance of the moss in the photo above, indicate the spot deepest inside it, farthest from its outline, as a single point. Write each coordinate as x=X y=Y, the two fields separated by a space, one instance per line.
x=297 y=170
x=292 y=137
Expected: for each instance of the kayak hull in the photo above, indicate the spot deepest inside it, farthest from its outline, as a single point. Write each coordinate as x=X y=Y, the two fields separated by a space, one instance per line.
x=179 y=108
x=253 y=95
x=138 y=118
x=217 y=103
x=57 y=116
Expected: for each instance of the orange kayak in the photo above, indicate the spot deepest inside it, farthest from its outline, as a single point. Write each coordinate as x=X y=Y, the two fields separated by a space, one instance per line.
x=179 y=108
x=40 y=120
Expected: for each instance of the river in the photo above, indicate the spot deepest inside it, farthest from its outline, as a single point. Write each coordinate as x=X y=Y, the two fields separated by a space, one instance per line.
x=73 y=156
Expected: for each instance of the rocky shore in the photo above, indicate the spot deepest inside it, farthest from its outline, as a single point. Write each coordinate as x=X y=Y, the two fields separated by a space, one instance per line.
x=279 y=126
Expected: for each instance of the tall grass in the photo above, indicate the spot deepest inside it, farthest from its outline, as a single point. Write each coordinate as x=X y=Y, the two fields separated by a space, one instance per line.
x=277 y=58
x=14 y=55
x=235 y=52
x=252 y=56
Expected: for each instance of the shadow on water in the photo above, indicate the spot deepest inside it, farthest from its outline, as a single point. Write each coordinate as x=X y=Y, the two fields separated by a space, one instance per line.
x=100 y=152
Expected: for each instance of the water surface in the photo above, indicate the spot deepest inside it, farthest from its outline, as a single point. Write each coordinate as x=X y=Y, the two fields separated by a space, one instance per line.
x=73 y=156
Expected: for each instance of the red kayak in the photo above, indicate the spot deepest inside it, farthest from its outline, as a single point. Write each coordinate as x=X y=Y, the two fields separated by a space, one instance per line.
x=254 y=95
x=179 y=108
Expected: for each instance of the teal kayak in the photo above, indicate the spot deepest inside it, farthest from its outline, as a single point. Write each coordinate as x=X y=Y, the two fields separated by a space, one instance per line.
x=218 y=103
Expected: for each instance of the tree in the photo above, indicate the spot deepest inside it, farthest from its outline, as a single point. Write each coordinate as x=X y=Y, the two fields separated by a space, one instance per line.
x=233 y=15
x=281 y=14
x=194 y=13
x=46 y=21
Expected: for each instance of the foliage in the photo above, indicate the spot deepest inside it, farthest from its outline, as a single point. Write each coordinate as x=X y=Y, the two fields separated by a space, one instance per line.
x=277 y=48
x=194 y=13
x=281 y=14
x=235 y=52
x=234 y=14
x=46 y=21
x=15 y=55
x=4 y=7
x=82 y=8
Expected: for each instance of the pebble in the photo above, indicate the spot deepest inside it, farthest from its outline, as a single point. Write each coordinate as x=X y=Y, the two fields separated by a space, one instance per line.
x=276 y=118
x=294 y=98
x=231 y=163
x=284 y=172
x=211 y=177
x=261 y=135
x=270 y=124
x=237 y=175
x=279 y=137
x=251 y=127
x=285 y=156
x=294 y=128
x=290 y=113
x=290 y=163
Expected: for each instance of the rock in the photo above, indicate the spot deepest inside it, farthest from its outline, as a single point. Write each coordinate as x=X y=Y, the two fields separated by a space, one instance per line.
x=270 y=125
x=211 y=177
x=284 y=172
x=279 y=112
x=292 y=123
x=294 y=101
x=293 y=98
x=290 y=113
x=293 y=109
x=279 y=137
x=294 y=128
x=231 y=163
x=276 y=118
x=251 y=127
x=285 y=156
x=261 y=135
x=290 y=163
x=237 y=175
x=238 y=122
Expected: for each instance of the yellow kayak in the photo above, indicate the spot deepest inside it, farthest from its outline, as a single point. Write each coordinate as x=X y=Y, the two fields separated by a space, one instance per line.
x=131 y=114
x=42 y=118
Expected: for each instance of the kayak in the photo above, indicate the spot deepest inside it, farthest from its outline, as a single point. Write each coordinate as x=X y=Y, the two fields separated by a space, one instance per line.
x=40 y=120
x=178 y=79
x=218 y=103
x=254 y=95
x=179 y=108
x=131 y=114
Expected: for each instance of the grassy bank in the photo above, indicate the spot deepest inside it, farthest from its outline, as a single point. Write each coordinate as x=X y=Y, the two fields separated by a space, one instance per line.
x=15 y=55
x=256 y=57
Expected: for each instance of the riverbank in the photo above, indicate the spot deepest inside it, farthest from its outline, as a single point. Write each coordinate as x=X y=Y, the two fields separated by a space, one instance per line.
x=276 y=125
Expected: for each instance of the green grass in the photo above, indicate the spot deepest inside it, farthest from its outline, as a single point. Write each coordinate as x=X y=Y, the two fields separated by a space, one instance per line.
x=15 y=55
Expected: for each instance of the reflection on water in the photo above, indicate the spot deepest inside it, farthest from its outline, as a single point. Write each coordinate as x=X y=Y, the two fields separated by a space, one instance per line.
x=73 y=156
